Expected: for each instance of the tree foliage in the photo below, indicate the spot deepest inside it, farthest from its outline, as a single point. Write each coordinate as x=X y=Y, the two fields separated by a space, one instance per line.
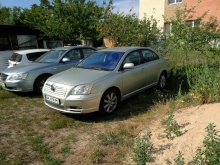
x=187 y=37
x=11 y=16
x=126 y=29
x=67 y=20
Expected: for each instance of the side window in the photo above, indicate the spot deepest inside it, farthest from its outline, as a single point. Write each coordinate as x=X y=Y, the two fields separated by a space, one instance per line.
x=16 y=57
x=73 y=54
x=149 y=55
x=134 y=57
x=87 y=52
x=34 y=56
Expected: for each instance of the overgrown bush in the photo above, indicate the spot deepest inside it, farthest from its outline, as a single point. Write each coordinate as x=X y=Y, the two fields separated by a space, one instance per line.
x=204 y=82
x=171 y=127
x=142 y=150
x=210 y=155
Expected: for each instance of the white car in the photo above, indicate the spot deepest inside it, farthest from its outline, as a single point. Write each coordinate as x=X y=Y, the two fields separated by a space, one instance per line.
x=25 y=56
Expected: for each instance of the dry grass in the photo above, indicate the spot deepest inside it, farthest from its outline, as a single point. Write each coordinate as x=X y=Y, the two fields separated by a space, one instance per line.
x=31 y=133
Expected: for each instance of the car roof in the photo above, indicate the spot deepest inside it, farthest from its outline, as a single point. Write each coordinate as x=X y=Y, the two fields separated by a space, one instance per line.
x=72 y=47
x=123 y=49
x=30 y=51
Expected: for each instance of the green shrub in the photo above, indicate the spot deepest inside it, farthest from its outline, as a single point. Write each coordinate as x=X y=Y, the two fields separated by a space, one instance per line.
x=142 y=150
x=210 y=155
x=203 y=81
x=172 y=128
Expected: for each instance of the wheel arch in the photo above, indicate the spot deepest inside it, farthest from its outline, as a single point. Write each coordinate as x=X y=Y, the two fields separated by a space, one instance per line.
x=38 y=77
x=115 y=88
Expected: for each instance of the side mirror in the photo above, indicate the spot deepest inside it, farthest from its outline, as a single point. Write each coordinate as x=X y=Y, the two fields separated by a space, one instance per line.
x=128 y=66
x=65 y=59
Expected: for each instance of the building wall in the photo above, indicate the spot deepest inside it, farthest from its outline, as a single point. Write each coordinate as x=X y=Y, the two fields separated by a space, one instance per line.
x=212 y=7
x=153 y=8
x=164 y=12
x=171 y=8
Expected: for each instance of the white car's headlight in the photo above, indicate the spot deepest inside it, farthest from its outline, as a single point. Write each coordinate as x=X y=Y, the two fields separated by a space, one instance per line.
x=19 y=76
x=82 y=90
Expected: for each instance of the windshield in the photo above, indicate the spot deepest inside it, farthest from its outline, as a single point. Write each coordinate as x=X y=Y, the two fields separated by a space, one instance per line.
x=51 y=56
x=101 y=60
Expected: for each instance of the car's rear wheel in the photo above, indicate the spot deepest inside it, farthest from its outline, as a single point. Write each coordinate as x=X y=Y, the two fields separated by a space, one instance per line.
x=39 y=83
x=109 y=102
x=162 y=81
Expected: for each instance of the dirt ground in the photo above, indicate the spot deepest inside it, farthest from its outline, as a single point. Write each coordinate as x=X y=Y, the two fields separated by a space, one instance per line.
x=193 y=122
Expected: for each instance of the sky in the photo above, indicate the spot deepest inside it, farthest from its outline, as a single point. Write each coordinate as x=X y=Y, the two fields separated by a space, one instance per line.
x=120 y=5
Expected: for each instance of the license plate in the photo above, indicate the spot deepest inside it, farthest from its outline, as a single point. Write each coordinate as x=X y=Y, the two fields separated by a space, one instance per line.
x=52 y=99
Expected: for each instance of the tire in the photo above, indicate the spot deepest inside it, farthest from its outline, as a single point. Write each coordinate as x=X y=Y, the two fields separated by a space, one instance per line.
x=109 y=102
x=39 y=83
x=162 y=81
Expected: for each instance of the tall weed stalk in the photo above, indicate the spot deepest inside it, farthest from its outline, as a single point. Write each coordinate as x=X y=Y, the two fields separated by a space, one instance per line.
x=204 y=82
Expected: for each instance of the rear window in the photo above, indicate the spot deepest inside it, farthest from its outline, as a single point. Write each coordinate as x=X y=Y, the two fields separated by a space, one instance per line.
x=16 y=57
x=34 y=56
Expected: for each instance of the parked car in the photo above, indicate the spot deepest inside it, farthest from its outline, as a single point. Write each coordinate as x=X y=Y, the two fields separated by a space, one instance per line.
x=102 y=80
x=25 y=56
x=31 y=77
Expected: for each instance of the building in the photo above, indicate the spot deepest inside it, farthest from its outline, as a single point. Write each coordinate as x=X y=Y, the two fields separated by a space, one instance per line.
x=18 y=37
x=164 y=10
x=153 y=8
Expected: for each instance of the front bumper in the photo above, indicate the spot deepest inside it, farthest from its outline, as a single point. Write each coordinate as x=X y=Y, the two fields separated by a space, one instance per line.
x=75 y=104
x=17 y=85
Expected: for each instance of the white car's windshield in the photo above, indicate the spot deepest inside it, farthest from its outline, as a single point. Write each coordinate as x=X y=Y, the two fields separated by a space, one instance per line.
x=51 y=56
x=102 y=60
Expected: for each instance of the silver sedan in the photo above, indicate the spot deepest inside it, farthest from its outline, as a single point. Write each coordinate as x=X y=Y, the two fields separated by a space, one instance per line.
x=105 y=78
x=31 y=77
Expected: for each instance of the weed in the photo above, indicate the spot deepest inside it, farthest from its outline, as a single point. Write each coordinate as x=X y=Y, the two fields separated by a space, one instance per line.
x=65 y=149
x=210 y=155
x=142 y=149
x=179 y=160
x=171 y=127
x=43 y=151
x=203 y=81
x=110 y=138
x=58 y=124
x=97 y=156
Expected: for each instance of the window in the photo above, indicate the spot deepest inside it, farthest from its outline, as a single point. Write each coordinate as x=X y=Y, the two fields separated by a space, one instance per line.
x=174 y=1
x=149 y=55
x=167 y=28
x=73 y=54
x=193 y=23
x=87 y=52
x=133 y=57
x=34 y=56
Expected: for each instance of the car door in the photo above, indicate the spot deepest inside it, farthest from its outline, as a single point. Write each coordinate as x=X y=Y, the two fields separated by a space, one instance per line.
x=152 y=66
x=133 y=79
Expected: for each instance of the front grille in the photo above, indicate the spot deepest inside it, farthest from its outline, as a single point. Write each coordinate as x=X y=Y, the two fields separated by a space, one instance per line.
x=3 y=76
x=55 y=89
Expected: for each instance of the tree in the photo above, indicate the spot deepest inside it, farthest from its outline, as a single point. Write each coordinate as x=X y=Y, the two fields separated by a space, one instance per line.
x=11 y=16
x=188 y=38
x=127 y=29
x=67 y=20
x=5 y=16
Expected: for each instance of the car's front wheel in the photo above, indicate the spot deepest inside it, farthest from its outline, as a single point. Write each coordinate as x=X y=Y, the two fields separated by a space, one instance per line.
x=162 y=81
x=109 y=101
x=39 y=83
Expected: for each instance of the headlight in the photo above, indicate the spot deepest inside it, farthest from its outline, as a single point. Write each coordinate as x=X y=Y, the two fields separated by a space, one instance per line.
x=19 y=76
x=82 y=90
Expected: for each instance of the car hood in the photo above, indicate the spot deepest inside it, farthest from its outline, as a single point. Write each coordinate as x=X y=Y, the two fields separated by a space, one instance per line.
x=27 y=67
x=76 y=76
